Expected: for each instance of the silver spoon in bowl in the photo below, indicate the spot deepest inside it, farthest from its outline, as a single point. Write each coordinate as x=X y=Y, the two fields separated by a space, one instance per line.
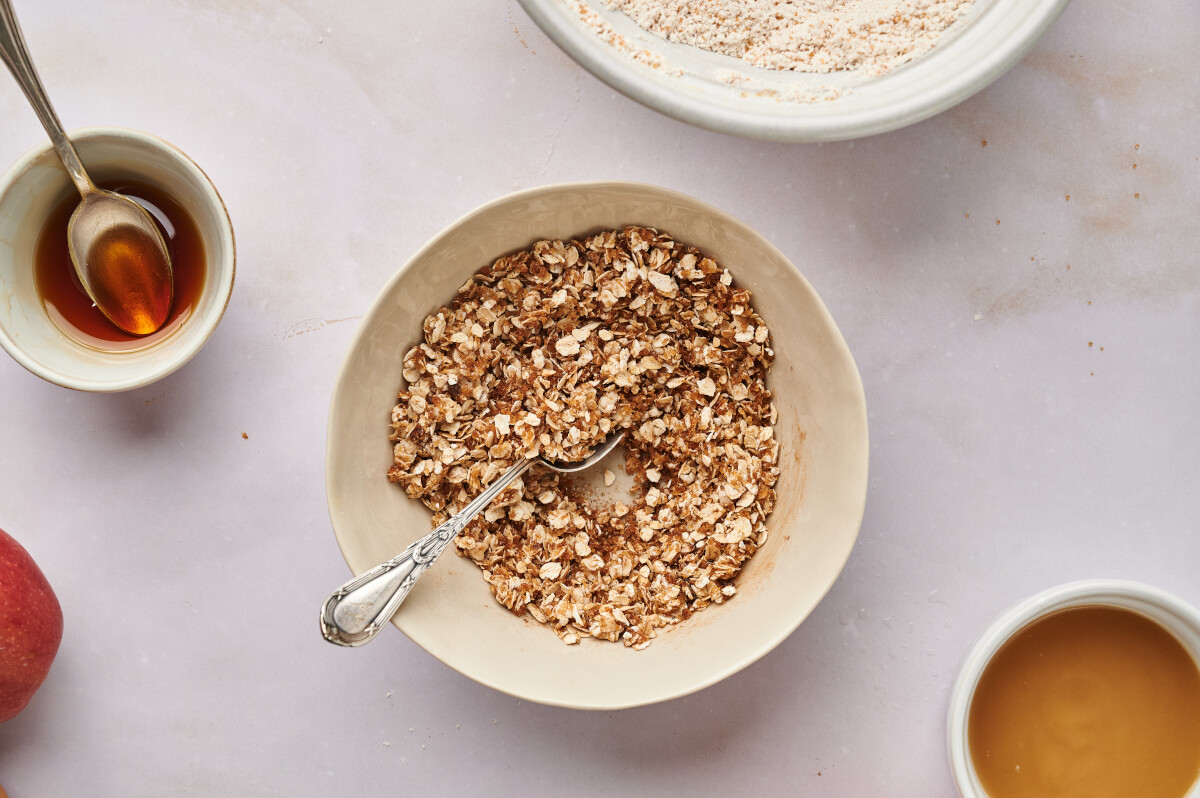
x=119 y=254
x=360 y=608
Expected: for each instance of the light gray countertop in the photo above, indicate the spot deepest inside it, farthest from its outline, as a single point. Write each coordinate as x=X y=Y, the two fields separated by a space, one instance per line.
x=1031 y=366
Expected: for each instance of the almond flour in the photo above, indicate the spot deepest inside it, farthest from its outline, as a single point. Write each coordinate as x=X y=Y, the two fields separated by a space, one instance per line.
x=866 y=36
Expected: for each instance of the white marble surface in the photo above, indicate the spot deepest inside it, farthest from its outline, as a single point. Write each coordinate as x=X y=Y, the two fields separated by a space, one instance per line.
x=1031 y=423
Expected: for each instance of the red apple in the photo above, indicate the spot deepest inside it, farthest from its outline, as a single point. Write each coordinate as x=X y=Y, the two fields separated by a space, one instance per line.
x=31 y=627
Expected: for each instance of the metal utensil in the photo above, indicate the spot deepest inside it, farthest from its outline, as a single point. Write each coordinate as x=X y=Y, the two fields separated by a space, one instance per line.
x=360 y=608
x=119 y=254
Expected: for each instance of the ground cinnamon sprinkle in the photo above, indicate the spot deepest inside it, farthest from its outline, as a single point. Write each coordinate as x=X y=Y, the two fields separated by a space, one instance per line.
x=546 y=352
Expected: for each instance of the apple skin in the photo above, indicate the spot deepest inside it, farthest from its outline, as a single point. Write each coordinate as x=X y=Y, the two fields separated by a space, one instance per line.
x=31 y=627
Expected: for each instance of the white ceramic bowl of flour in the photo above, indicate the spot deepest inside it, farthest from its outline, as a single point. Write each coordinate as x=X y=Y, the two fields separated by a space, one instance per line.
x=727 y=94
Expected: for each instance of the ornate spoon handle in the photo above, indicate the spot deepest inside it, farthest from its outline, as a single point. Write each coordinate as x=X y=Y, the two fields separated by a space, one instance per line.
x=360 y=608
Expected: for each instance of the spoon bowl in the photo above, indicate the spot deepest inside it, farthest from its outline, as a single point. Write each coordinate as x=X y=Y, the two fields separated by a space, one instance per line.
x=122 y=261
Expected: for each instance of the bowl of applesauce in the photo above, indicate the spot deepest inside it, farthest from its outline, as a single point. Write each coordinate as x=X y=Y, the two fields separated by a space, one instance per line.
x=1090 y=688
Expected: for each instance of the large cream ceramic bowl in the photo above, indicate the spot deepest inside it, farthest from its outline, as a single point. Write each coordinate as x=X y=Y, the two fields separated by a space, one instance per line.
x=29 y=192
x=822 y=431
x=723 y=93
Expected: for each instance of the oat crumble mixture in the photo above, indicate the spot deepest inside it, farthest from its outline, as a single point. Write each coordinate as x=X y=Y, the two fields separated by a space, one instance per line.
x=547 y=351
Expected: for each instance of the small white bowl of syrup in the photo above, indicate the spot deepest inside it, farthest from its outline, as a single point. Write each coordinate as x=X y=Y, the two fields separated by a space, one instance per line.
x=48 y=323
x=1087 y=689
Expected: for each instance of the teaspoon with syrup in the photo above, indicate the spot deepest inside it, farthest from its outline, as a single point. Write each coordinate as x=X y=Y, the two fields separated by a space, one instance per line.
x=119 y=254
